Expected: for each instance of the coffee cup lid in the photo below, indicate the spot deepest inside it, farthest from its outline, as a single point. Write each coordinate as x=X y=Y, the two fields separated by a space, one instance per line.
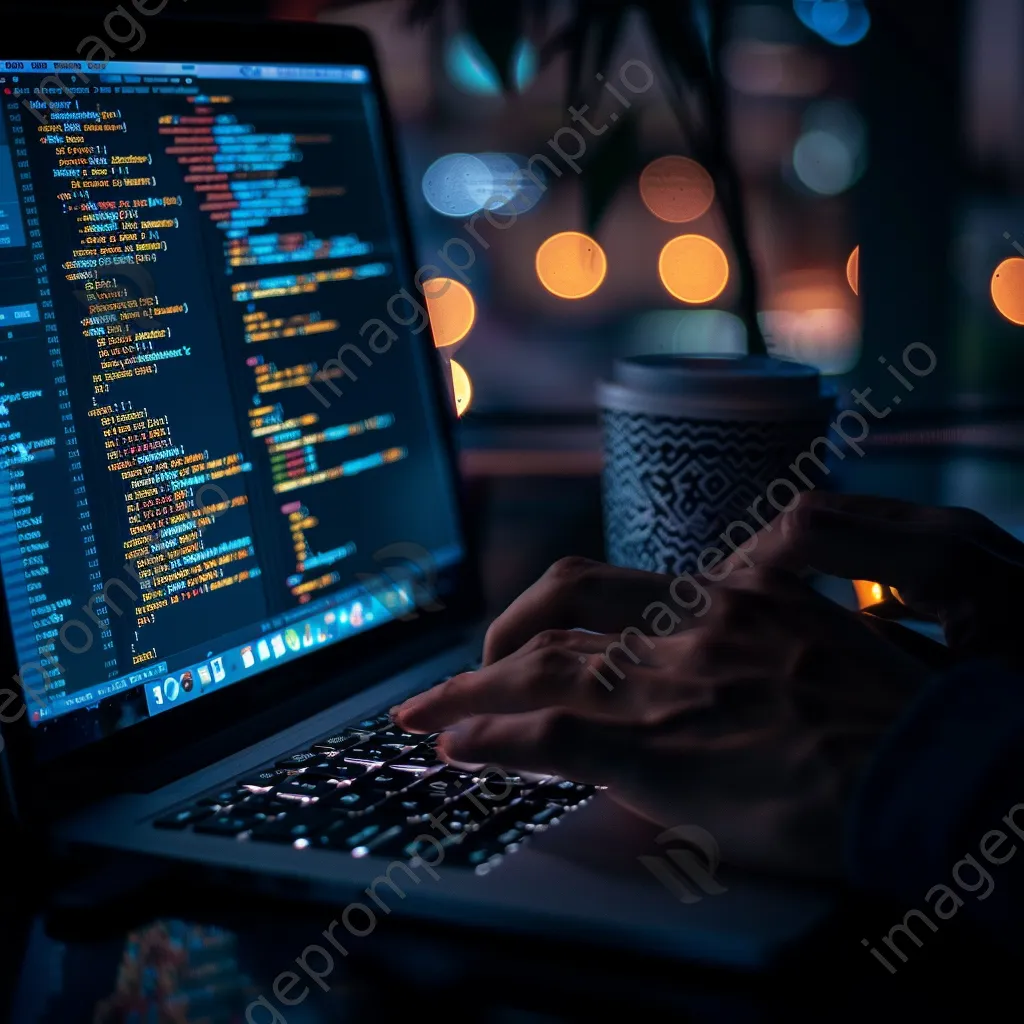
x=717 y=387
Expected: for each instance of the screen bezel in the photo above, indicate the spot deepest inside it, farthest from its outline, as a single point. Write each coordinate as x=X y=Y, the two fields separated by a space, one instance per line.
x=212 y=726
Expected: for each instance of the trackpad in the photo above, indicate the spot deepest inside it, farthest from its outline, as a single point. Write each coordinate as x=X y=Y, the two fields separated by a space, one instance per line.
x=600 y=836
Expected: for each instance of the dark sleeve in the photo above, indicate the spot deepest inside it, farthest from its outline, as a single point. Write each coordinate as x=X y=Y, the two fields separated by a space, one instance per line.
x=946 y=778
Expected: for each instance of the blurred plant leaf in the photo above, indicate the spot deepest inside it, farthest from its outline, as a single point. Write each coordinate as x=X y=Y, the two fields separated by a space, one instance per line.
x=615 y=161
x=607 y=30
x=595 y=27
x=676 y=34
x=498 y=35
x=575 y=46
x=559 y=43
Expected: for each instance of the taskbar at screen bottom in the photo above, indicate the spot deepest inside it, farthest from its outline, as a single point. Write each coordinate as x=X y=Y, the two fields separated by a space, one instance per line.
x=165 y=684
x=249 y=659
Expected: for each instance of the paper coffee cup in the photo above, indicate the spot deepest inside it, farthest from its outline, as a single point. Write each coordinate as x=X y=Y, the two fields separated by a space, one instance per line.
x=695 y=444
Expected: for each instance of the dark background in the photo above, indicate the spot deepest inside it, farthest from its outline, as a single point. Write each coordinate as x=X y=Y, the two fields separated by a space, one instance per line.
x=938 y=91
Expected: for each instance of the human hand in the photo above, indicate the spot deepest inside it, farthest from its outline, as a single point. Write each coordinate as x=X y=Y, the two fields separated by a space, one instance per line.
x=948 y=564
x=754 y=723
x=577 y=593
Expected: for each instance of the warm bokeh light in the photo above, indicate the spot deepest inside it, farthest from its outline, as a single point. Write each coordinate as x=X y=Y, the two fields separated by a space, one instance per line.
x=1008 y=289
x=822 y=336
x=693 y=269
x=812 y=316
x=853 y=270
x=571 y=265
x=676 y=189
x=868 y=593
x=803 y=290
x=452 y=310
x=463 y=387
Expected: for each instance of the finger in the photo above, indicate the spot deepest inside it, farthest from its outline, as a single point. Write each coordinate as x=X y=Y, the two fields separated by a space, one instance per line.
x=576 y=592
x=553 y=742
x=774 y=544
x=896 y=510
x=907 y=556
x=556 y=668
x=870 y=506
x=779 y=543
x=964 y=522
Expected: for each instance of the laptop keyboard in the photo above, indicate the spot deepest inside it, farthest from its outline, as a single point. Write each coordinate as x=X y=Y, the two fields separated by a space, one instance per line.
x=370 y=789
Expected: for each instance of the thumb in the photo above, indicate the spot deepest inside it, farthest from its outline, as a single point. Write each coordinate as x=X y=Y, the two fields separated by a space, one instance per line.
x=898 y=554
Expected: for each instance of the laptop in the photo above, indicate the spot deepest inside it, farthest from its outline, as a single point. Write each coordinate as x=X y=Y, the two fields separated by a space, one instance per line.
x=232 y=532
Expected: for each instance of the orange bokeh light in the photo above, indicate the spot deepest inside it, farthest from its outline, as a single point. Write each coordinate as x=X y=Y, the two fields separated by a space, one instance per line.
x=868 y=593
x=452 y=310
x=462 y=386
x=571 y=265
x=676 y=189
x=1008 y=289
x=693 y=269
x=853 y=270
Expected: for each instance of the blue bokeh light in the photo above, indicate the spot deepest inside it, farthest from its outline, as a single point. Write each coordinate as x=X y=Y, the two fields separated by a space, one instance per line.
x=454 y=184
x=514 y=181
x=831 y=154
x=854 y=29
x=824 y=163
x=840 y=22
x=502 y=183
x=829 y=18
x=462 y=184
x=472 y=70
x=524 y=63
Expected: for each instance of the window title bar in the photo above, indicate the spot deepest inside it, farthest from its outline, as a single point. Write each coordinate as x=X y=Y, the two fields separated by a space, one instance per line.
x=258 y=72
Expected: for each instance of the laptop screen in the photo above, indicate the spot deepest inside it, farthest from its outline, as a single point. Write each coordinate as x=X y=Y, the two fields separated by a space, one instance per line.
x=220 y=446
